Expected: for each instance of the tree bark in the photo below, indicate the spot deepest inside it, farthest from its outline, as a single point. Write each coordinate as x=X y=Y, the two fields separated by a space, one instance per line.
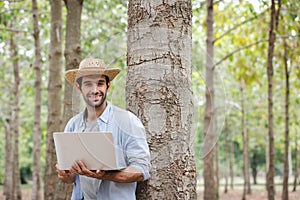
x=231 y=164
x=8 y=181
x=36 y=187
x=226 y=156
x=208 y=173
x=296 y=159
x=73 y=58
x=158 y=91
x=12 y=188
x=217 y=150
x=272 y=38
x=16 y=168
x=246 y=173
x=72 y=50
x=285 y=185
x=54 y=98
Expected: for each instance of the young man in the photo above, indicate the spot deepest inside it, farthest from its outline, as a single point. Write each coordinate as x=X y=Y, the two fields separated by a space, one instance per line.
x=93 y=80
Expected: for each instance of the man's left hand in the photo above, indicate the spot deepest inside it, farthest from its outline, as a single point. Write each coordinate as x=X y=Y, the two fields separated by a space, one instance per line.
x=81 y=169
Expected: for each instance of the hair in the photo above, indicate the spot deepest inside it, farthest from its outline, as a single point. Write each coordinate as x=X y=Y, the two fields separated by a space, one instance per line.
x=79 y=81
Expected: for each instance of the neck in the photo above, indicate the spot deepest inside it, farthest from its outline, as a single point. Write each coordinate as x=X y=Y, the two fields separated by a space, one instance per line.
x=95 y=112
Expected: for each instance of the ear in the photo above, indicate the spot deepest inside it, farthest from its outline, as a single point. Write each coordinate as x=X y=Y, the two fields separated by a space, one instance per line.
x=77 y=86
x=108 y=85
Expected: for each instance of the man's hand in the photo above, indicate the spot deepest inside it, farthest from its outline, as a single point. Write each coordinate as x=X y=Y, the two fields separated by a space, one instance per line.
x=127 y=175
x=81 y=169
x=65 y=175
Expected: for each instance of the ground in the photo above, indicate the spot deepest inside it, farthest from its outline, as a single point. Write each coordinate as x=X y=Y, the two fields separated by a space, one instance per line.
x=258 y=193
x=262 y=195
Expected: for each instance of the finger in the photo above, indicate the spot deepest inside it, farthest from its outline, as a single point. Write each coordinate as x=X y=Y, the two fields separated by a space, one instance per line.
x=83 y=167
x=77 y=169
x=56 y=167
x=73 y=171
x=100 y=172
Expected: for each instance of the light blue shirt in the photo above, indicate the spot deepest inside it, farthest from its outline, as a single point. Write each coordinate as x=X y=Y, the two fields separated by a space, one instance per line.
x=131 y=147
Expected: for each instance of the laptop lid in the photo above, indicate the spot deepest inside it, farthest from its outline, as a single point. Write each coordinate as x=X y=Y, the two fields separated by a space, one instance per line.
x=95 y=149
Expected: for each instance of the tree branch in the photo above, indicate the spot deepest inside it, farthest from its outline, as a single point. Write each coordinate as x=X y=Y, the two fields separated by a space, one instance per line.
x=250 y=45
x=240 y=24
x=13 y=30
x=239 y=49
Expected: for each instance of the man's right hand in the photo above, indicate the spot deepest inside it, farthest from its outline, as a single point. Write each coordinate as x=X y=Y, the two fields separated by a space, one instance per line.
x=65 y=175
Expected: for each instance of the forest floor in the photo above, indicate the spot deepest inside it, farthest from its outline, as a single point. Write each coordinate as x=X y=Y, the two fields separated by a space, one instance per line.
x=235 y=194
x=256 y=195
x=258 y=191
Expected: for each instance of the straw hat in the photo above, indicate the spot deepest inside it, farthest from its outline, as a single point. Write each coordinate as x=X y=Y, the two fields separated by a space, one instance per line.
x=91 y=66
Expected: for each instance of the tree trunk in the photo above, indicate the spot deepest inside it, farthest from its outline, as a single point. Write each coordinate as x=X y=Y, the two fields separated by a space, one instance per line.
x=226 y=156
x=272 y=38
x=247 y=188
x=285 y=191
x=15 y=125
x=158 y=91
x=296 y=159
x=8 y=181
x=216 y=149
x=208 y=173
x=54 y=98
x=72 y=50
x=14 y=181
x=231 y=164
x=36 y=176
x=73 y=58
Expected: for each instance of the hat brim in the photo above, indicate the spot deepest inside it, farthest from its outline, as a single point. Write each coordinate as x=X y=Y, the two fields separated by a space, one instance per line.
x=74 y=74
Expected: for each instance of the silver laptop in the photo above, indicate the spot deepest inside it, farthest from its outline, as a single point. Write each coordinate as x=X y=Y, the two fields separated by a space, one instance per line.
x=95 y=149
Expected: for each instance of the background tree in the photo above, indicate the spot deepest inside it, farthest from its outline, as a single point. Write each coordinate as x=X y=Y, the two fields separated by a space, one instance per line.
x=296 y=162
x=54 y=97
x=72 y=58
x=12 y=184
x=37 y=135
x=208 y=173
x=247 y=187
x=158 y=91
x=285 y=192
x=274 y=17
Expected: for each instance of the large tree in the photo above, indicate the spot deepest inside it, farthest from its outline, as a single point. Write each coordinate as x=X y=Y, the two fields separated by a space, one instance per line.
x=158 y=91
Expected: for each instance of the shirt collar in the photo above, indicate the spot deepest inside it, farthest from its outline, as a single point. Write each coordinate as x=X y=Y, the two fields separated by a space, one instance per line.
x=105 y=115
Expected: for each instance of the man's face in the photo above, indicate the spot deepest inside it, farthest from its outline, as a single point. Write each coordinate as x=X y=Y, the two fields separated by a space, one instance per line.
x=94 y=89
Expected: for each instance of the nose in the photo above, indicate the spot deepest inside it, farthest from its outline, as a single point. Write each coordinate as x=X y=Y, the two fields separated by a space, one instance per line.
x=95 y=88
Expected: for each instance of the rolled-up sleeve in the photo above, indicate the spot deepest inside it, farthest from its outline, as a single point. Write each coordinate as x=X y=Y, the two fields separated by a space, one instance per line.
x=137 y=150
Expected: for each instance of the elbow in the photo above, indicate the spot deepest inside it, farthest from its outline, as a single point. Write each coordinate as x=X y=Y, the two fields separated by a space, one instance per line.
x=130 y=177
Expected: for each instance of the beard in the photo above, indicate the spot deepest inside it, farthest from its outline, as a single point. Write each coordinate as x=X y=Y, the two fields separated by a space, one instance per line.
x=92 y=103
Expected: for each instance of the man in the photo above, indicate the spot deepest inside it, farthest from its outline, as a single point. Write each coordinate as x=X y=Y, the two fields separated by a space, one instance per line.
x=93 y=80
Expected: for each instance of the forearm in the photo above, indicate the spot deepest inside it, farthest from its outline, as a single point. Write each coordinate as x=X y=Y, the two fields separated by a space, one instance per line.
x=127 y=175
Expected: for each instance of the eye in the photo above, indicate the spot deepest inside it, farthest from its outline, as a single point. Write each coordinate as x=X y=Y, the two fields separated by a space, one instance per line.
x=88 y=84
x=101 y=83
